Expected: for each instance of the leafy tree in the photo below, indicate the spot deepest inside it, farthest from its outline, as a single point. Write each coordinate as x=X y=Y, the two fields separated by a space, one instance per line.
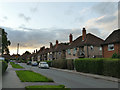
x=5 y=42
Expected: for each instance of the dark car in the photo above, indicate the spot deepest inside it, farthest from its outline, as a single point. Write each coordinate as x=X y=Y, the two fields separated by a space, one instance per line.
x=29 y=63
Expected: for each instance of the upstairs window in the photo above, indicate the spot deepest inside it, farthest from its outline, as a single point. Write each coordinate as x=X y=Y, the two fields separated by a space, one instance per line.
x=91 y=47
x=100 y=48
x=110 y=47
x=69 y=52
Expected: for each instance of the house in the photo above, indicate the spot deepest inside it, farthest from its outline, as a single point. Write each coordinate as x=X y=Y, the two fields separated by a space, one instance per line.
x=112 y=44
x=85 y=46
x=57 y=51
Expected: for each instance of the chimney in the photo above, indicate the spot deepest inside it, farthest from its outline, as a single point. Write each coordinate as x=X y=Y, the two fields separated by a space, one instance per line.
x=56 y=42
x=51 y=45
x=70 y=38
x=83 y=34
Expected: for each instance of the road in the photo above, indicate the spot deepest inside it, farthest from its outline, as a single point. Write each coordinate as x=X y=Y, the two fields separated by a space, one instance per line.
x=72 y=80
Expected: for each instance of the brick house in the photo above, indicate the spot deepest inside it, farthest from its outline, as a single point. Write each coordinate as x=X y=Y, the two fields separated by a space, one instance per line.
x=58 y=51
x=112 y=44
x=85 y=46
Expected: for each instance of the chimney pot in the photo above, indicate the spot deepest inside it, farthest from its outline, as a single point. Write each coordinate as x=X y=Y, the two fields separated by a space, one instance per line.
x=70 y=38
x=83 y=34
x=56 y=42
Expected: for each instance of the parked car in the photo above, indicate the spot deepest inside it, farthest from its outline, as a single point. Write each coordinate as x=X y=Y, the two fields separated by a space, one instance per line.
x=28 y=62
x=34 y=63
x=43 y=65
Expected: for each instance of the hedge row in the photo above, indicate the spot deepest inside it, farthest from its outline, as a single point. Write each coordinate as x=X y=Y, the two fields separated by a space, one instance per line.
x=63 y=64
x=108 y=67
x=4 y=66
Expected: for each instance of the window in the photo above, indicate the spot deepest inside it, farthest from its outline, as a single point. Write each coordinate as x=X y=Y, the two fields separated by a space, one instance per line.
x=69 y=52
x=100 y=48
x=110 y=47
x=74 y=51
x=91 y=47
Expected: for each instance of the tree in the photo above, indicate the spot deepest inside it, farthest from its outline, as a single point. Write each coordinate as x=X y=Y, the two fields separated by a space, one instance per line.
x=5 y=42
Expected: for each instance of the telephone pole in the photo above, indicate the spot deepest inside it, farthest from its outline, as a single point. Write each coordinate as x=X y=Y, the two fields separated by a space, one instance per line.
x=17 y=48
x=17 y=51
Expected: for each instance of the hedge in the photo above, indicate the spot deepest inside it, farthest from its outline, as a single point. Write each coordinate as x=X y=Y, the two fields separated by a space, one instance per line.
x=108 y=67
x=70 y=64
x=62 y=63
x=4 y=66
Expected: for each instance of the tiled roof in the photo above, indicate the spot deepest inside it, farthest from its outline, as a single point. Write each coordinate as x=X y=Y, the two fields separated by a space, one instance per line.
x=114 y=37
x=90 y=40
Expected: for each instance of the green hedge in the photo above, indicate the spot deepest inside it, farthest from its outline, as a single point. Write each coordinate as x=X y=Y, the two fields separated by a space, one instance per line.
x=4 y=66
x=70 y=64
x=62 y=64
x=109 y=67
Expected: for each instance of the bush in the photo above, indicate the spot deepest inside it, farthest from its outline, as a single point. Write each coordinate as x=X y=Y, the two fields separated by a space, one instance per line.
x=4 y=66
x=70 y=64
x=111 y=68
x=115 y=55
x=62 y=64
x=108 y=67
x=89 y=66
x=49 y=63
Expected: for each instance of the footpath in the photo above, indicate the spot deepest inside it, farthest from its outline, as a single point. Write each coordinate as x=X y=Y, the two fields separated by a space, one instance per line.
x=10 y=79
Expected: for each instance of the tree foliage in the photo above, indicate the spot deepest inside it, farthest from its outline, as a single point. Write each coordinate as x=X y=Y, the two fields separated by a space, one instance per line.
x=5 y=42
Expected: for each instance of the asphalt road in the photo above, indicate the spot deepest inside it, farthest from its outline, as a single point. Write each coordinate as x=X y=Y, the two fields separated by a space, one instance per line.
x=72 y=80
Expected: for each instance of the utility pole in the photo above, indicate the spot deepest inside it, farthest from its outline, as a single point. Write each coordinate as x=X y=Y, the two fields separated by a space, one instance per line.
x=17 y=50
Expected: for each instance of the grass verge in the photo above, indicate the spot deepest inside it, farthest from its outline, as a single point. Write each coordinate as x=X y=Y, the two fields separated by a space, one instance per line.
x=47 y=87
x=30 y=76
x=16 y=65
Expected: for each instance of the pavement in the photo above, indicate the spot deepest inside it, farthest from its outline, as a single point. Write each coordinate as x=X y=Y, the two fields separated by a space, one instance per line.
x=72 y=79
x=10 y=79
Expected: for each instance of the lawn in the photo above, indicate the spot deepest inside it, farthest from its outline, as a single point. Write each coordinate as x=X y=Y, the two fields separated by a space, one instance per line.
x=30 y=76
x=16 y=65
x=47 y=87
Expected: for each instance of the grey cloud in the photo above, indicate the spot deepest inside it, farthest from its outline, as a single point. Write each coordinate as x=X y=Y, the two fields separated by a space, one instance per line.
x=105 y=8
x=37 y=37
x=26 y=18
x=5 y=17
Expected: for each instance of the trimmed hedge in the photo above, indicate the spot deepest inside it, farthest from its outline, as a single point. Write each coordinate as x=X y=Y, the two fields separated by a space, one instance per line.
x=70 y=64
x=62 y=64
x=108 y=67
x=4 y=66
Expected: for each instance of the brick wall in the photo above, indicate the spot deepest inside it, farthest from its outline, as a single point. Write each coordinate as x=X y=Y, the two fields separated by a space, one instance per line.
x=108 y=54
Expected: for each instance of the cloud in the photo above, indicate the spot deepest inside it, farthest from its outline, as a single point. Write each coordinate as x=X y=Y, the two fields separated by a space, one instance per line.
x=26 y=18
x=5 y=17
x=103 y=8
x=35 y=38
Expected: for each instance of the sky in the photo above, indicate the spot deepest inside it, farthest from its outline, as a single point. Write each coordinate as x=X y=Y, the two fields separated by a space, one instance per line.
x=35 y=24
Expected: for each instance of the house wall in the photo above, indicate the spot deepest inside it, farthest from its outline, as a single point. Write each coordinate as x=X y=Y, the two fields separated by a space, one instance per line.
x=71 y=56
x=108 y=54
x=89 y=53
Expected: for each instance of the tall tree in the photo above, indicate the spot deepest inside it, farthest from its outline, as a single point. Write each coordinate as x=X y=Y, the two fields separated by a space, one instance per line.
x=5 y=42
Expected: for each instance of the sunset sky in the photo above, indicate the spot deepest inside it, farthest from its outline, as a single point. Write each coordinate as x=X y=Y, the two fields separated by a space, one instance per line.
x=35 y=24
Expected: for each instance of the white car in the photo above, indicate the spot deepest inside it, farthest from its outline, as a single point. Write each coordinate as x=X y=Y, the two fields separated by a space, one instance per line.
x=43 y=65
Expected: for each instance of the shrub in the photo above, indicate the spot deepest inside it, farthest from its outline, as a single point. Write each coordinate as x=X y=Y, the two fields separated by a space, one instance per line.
x=115 y=55
x=49 y=63
x=62 y=64
x=89 y=66
x=111 y=68
x=4 y=66
x=70 y=64
x=108 y=67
